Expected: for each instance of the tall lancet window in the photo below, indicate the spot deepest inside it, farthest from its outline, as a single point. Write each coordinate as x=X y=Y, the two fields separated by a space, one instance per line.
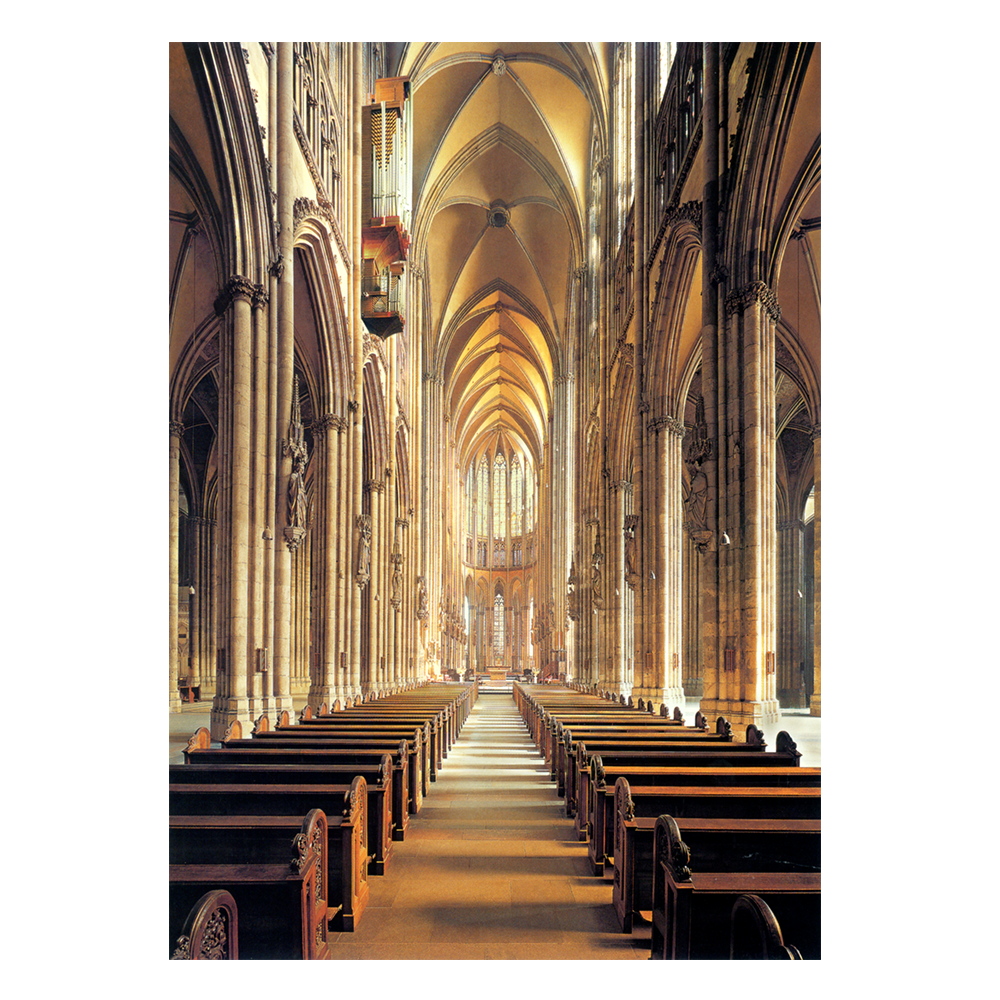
x=484 y=496
x=516 y=496
x=529 y=505
x=499 y=497
x=498 y=628
x=470 y=501
x=624 y=117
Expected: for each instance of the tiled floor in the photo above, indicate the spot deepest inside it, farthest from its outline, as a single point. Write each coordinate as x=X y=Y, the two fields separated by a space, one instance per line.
x=490 y=868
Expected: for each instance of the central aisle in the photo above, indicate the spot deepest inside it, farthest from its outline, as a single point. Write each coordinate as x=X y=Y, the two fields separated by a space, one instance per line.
x=490 y=869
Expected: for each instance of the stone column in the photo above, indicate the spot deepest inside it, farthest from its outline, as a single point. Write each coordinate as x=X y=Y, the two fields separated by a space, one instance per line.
x=616 y=680
x=815 y=701
x=791 y=682
x=195 y=600
x=322 y=686
x=355 y=405
x=665 y=685
x=259 y=623
x=284 y=536
x=176 y=432
x=231 y=700
x=691 y=654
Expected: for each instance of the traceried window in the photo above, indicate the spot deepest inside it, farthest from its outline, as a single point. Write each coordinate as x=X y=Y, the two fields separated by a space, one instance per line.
x=529 y=506
x=470 y=501
x=484 y=496
x=624 y=114
x=499 y=554
x=516 y=496
x=498 y=628
x=499 y=496
x=667 y=50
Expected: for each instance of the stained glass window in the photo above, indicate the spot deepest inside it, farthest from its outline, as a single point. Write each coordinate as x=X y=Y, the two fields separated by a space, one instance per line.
x=498 y=628
x=516 y=496
x=484 y=495
x=499 y=496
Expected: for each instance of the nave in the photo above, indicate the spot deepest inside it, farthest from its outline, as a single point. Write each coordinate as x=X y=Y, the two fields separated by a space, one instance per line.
x=491 y=867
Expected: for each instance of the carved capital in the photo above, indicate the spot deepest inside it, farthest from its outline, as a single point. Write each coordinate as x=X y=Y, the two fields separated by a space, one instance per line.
x=236 y=288
x=277 y=268
x=690 y=211
x=675 y=426
x=756 y=292
x=176 y=428
x=260 y=297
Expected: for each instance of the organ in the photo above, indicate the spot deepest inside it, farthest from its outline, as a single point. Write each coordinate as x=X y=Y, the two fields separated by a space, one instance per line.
x=387 y=166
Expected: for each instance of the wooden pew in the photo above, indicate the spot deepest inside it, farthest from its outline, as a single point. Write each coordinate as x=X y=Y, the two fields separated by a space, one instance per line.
x=332 y=749
x=794 y=844
x=755 y=933
x=422 y=742
x=210 y=930
x=760 y=800
x=663 y=730
x=280 y=878
x=346 y=878
x=589 y=768
x=218 y=767
x=572 y=763
x=693 y=905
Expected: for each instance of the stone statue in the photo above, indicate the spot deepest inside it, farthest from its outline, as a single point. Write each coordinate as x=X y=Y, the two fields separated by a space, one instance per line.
x=364 y=549
x=421 y=598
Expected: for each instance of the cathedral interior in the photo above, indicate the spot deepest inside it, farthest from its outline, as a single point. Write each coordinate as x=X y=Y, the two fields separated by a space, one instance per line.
x=494 y=366
x=494 y=356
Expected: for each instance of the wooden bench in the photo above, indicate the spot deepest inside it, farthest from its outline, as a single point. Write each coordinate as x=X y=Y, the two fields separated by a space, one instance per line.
x=573 y=760
x=346 y=878
x=664 y=770
x=330 y=749
x=210 y=930
x=219 y=767
x=278 y=870
x=654 y=731
x=792 y=843
x=738 y=799
x=422 y=741
x=581 y=773
x=693 y=905
x=755 y=933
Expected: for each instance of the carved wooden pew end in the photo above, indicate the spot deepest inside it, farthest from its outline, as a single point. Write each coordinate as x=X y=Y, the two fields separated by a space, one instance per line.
x=211 y=930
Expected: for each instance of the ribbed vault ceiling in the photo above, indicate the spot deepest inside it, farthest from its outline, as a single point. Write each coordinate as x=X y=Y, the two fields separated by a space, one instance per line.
x=502 y=143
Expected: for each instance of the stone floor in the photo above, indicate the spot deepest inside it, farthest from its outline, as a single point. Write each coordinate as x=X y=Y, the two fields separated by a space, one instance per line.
x=490 y=868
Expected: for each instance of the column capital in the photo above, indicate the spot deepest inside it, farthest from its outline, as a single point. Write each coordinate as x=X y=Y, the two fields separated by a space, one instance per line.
x=260 y=297
x=814 y=435
x=795 y=523
x=176 y=428
x=753 y=293
x=236 y=288
x=328 y=422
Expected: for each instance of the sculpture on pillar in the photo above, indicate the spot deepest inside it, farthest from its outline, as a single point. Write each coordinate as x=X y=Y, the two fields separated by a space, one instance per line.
x=397 y=578
x=695 y=488
x=295 y=448
x=422 y=612
x=596 y=583
x=631 y=574
x=572 y=608
x=364 y=523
